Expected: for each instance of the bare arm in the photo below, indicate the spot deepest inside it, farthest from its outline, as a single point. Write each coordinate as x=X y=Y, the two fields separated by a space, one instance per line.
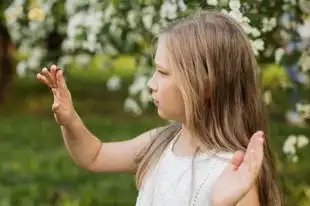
x=85 y=148
x=92 y=154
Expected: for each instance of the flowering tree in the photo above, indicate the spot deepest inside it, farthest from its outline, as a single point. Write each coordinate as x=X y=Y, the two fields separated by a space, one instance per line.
x=64 y=31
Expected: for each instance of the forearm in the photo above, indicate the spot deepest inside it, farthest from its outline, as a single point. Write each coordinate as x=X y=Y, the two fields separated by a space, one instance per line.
x=82 y=145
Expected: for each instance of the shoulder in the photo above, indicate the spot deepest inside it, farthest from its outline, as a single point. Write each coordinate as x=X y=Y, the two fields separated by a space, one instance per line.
x=155 y=136
x=166 y=130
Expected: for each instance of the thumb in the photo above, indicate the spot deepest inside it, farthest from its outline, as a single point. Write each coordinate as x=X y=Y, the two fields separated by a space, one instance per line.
x=237 y=160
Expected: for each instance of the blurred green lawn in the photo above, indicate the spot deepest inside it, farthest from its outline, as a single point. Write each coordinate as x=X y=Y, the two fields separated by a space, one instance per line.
x=36 y=169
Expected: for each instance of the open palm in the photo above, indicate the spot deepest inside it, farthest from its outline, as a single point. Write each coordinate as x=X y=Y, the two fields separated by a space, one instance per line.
x=239 y=176
x=62 y=106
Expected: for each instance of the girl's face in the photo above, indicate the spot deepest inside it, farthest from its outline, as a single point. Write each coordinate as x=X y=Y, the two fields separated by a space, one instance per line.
x=165 y=92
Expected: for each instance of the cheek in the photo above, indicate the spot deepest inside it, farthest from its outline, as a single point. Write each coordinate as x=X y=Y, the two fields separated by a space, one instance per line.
x=171 y=94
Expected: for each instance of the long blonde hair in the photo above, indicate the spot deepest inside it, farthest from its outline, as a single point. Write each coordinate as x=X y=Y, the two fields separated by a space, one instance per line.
x=218 y=75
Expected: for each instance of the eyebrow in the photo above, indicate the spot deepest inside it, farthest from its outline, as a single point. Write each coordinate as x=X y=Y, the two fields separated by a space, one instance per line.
x=158 y=65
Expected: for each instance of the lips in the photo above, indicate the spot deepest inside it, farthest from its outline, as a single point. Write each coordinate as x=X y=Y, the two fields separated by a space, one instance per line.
x=155 y=101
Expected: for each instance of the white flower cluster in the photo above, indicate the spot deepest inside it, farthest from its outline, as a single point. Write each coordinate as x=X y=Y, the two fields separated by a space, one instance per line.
x=148 y=13
x=170 y=7
x=82 y=23
x=40 y=23
x=254 y=33
x=304 y=110
x=292 y=143
x=114 y=83
x=212 y=2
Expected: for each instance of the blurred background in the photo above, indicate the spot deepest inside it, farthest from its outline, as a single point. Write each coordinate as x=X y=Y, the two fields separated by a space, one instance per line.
x=106 y=49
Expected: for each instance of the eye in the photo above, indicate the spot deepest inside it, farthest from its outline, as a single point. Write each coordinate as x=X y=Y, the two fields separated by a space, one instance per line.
x=162 y=72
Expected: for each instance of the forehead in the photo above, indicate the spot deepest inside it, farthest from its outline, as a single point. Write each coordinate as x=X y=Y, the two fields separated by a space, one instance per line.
x=161 y=56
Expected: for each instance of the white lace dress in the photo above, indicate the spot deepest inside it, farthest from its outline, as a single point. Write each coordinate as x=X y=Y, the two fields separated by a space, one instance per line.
x=170 y=183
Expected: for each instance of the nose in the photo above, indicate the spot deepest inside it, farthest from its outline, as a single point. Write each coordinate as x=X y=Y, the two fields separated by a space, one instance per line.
x=151 y=84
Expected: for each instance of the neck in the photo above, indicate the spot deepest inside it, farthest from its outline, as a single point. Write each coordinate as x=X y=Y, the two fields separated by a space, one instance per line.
x=187 y=141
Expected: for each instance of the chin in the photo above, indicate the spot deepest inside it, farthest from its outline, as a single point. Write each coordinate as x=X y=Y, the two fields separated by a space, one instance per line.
x=165 y=116
x=161 y=114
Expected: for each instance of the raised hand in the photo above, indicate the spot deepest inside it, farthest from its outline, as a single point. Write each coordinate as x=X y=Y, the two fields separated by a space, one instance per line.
x=240 y=175
x=62 y=107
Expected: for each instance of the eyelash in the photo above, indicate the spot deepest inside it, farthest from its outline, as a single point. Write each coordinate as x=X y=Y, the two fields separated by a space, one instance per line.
x=161 y=72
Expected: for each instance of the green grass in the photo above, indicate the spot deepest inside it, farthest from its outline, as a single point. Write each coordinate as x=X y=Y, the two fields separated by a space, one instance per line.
x=36 y=169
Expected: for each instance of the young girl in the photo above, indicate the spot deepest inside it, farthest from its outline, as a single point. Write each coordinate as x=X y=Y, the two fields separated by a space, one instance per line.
x=207 y=80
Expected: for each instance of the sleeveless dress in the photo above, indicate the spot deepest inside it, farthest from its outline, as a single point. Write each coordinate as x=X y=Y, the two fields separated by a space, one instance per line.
x=172 y=182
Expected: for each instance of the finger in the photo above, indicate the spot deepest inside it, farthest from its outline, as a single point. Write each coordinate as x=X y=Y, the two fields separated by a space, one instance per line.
x=55 y=105
x=63 y=90
x=44 y=80
x=60 y=80
x=253 y=158
x=237 y=160
x=53 y=72
x=255 y=147
x=48 y=76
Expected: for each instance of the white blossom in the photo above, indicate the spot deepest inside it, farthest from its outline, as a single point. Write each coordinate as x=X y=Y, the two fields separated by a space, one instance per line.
x=114 y=83
x=109 y=49
x=147 y=21
x=109 y=12
x=212 y=2
x=295 y=158
x=132 y=18
x=304 y=29
x=131 y=105
x=69 y=44
x=155 y=28
x=145 y=96
x=64 y=61
x=238 y=16
x=292 y=143
x=303 y=109
x=302 y=141
x=234 y=5
x=14 y=11
x=305 y=62
x=138 y=85
x=74 y=24
x=250 y=30
x=289 y=145
x=82 y=59
x=182 y=5
x=257 y=45
x=35 y=58
x=268 y=24
x=168 y=10
x=71 y=6
x=279 y=54
x=21 y=68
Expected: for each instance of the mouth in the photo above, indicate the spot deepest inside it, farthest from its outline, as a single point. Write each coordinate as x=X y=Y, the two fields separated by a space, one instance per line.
x=155 y=101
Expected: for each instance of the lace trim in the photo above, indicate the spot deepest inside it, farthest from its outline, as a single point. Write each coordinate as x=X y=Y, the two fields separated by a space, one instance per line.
x=202 y=184
x=199 y=156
